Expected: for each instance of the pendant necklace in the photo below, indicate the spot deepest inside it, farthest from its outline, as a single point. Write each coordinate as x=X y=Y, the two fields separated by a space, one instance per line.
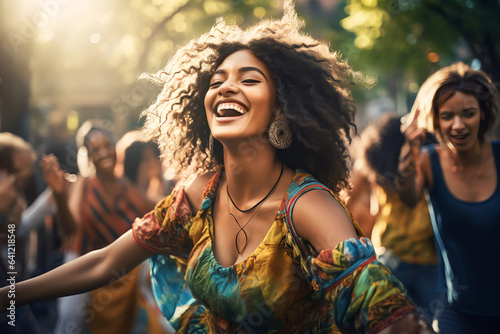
x=262 y=200
x=258 y=205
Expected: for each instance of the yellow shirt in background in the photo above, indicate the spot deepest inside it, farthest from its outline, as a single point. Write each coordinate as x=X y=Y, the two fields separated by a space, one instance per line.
x=404 y=231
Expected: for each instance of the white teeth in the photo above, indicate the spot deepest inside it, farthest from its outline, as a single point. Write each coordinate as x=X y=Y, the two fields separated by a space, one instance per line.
x=232 y=106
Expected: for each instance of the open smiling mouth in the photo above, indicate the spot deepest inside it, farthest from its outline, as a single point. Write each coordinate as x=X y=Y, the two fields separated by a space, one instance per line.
x=230 y=110
x=460 y=137
x=106 y=160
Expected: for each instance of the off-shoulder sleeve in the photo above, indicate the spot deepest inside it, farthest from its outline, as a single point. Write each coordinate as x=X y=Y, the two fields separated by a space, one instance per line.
x=366 y=297
x=165 y=230
x=364 y=294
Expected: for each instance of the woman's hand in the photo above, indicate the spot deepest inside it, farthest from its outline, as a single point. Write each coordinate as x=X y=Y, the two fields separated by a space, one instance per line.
x=410 y=152
x=411 y=180
x=53 y=174
x=55 y=178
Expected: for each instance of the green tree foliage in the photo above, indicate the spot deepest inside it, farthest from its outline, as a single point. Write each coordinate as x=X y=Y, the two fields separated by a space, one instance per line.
x=86 y=55
x=400 y=34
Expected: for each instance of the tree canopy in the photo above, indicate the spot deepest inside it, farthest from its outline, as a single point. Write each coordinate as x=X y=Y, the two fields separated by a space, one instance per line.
x=85 y=56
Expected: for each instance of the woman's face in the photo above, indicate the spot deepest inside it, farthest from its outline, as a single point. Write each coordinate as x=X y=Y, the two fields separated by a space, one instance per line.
x=101 y=151
x=240 y=100
x=459 y=119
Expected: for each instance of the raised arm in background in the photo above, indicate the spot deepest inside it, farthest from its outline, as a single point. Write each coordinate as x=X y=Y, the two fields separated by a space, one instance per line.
x=63 y=192
x=414 y=165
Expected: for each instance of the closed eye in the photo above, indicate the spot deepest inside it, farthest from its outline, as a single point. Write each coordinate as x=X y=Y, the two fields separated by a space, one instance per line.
x=251 y=81
x=215 y=84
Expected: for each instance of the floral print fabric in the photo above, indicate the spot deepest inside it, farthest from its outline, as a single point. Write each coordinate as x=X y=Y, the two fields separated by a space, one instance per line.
x=284 y=286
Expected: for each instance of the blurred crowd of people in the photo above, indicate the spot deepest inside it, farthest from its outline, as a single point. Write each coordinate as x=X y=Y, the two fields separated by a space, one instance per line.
x=61 y=206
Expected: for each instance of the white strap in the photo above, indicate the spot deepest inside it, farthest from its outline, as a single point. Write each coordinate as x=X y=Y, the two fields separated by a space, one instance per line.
x=436 y=221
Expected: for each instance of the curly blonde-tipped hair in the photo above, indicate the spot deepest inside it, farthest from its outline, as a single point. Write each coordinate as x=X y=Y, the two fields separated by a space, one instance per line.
x=311 y=87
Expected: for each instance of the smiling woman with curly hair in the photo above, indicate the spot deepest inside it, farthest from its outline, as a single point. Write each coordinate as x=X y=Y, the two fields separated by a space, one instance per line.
x=253 y=243
x=311 y=86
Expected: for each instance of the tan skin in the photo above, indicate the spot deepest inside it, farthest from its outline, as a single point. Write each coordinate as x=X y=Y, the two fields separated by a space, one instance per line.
x=249 y=174
x=468 y=164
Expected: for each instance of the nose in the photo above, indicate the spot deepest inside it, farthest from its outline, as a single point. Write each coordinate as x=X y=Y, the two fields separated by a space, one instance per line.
x=227 y=87
x=457 y=123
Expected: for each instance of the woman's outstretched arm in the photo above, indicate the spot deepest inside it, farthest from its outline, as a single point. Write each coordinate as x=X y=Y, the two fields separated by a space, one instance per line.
x=88 y=272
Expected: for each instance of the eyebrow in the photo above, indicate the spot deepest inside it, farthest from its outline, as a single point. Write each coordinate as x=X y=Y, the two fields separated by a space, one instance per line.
x=466 y=109
x=244 y=69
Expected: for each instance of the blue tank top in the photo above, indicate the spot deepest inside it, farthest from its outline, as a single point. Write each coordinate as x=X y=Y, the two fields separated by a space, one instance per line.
x=470 y=234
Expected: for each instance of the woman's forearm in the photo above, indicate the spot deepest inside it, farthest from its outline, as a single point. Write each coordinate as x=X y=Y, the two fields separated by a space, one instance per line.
x=88 y=272
x=80 y=275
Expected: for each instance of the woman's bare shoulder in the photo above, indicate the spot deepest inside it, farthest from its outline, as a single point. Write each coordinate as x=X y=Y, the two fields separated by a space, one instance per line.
x=320 y=219
x=193 y=188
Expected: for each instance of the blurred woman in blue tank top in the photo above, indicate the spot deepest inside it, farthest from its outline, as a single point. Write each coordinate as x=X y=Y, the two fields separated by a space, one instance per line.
x=460 y=176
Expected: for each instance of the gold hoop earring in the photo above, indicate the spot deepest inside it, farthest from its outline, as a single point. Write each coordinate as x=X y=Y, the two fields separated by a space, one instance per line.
x=280 y=135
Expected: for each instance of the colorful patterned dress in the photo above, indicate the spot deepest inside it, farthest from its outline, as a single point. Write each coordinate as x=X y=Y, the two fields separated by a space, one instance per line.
x=284 y=286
